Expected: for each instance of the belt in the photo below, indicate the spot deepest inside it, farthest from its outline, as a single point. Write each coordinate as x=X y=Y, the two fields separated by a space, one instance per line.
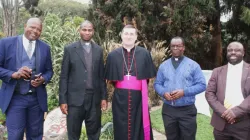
x=89 y=91
x=28 y=93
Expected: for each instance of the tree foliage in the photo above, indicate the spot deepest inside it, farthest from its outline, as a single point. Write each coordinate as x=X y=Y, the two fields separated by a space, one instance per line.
x=237 y=28
x=245 y=16
x=58 y=35
x=10 y=13
x=157 y=20
x=63 y=8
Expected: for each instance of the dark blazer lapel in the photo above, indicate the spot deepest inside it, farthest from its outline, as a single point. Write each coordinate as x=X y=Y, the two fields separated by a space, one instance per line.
x=94 y=54
x=245 y=71
x=38 y=56
x=79 y=51
x=223 y=81
x=19 y=51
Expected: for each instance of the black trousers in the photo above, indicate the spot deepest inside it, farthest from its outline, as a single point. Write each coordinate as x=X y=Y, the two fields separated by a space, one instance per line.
x=91 y=113
x=237 y=131
x=179 y=122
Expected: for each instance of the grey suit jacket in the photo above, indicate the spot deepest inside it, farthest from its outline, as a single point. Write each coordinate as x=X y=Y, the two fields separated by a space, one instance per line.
x=73 y=75
x=215 y=95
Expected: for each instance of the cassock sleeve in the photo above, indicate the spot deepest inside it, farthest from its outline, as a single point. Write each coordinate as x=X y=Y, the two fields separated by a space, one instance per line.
x=113 y=69
x=146 y=68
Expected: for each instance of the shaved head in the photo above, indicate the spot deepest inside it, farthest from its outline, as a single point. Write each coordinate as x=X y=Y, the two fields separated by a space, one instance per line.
x=86 y=30
x=235 y=52
x=236 y=44
x=86 y=22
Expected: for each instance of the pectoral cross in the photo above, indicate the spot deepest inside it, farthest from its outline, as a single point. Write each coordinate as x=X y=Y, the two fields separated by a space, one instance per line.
x=128 y=75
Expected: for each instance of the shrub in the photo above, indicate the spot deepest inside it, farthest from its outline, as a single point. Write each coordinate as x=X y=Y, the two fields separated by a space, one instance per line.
x=57 y=36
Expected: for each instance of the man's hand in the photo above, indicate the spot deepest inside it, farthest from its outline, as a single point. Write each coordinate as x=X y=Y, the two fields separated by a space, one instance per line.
x=64 y=108
x=37 y=81
x=104 y=105
x=176 y=94
x=167 y=96
x=16 y=75
x=24 y=72
x=229 y=116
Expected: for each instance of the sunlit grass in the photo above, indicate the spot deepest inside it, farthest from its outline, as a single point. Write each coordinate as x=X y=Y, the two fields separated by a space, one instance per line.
x=204 y=129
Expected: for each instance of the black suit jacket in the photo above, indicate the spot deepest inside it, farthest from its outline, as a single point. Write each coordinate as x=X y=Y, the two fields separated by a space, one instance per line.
x=74 y=74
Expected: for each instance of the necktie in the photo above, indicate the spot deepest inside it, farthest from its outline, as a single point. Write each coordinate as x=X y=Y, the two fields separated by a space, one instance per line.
x=29 y=49
x=227 y=104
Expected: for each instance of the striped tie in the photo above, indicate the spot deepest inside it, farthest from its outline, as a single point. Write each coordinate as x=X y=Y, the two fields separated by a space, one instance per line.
x=227 y=104
x=29 y=49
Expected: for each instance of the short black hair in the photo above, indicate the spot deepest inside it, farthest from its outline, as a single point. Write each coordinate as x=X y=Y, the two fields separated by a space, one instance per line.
x=178 y=37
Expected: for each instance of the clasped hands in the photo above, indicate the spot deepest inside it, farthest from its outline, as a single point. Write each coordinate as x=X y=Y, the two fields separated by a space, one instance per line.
x=25 y=73
x=174 y=95
x=229 y=116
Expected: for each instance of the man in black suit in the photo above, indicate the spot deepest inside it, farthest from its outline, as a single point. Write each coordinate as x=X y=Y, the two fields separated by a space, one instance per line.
x=82 y=88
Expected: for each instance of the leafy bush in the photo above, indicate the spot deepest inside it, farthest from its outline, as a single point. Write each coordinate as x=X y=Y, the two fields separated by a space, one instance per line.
x=2 y=118
x=159 y=52
x=58 y=36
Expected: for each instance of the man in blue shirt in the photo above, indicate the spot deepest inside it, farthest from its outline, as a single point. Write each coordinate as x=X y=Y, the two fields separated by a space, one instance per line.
x=178 y=80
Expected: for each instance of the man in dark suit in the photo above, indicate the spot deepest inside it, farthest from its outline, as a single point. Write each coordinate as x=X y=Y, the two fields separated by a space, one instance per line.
x=228 y=94
x=82 y=88
x=25 y=69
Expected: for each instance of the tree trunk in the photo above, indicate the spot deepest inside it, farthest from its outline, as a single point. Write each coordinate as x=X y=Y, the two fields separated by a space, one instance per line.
x=216 y=43
x=10 y=16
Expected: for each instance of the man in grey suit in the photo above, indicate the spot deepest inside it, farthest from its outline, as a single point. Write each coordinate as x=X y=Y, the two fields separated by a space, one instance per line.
x=82 y=88
x=228 y=94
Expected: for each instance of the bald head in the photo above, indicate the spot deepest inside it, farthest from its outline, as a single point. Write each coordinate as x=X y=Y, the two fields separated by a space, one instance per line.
x=33 y=29
x=235 y=53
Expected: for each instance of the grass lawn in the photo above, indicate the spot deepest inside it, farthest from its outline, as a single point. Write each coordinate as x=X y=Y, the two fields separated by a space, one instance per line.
x=204 y=129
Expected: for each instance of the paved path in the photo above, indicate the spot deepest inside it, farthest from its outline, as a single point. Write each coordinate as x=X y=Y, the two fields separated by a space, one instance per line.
x=158 y=136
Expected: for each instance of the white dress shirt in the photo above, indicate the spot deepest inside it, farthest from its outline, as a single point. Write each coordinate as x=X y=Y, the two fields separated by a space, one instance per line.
x=26 y=44
x=233 y=93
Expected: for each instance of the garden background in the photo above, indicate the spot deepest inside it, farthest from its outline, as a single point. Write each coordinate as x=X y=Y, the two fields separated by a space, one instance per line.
x=197 y=21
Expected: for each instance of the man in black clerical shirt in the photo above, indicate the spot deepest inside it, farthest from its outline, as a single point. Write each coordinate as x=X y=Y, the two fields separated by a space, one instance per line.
x=82 y=89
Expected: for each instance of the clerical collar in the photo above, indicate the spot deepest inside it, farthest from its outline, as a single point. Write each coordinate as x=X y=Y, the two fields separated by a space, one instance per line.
x=177 y=58
x=128 y=50
x=85 y=43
